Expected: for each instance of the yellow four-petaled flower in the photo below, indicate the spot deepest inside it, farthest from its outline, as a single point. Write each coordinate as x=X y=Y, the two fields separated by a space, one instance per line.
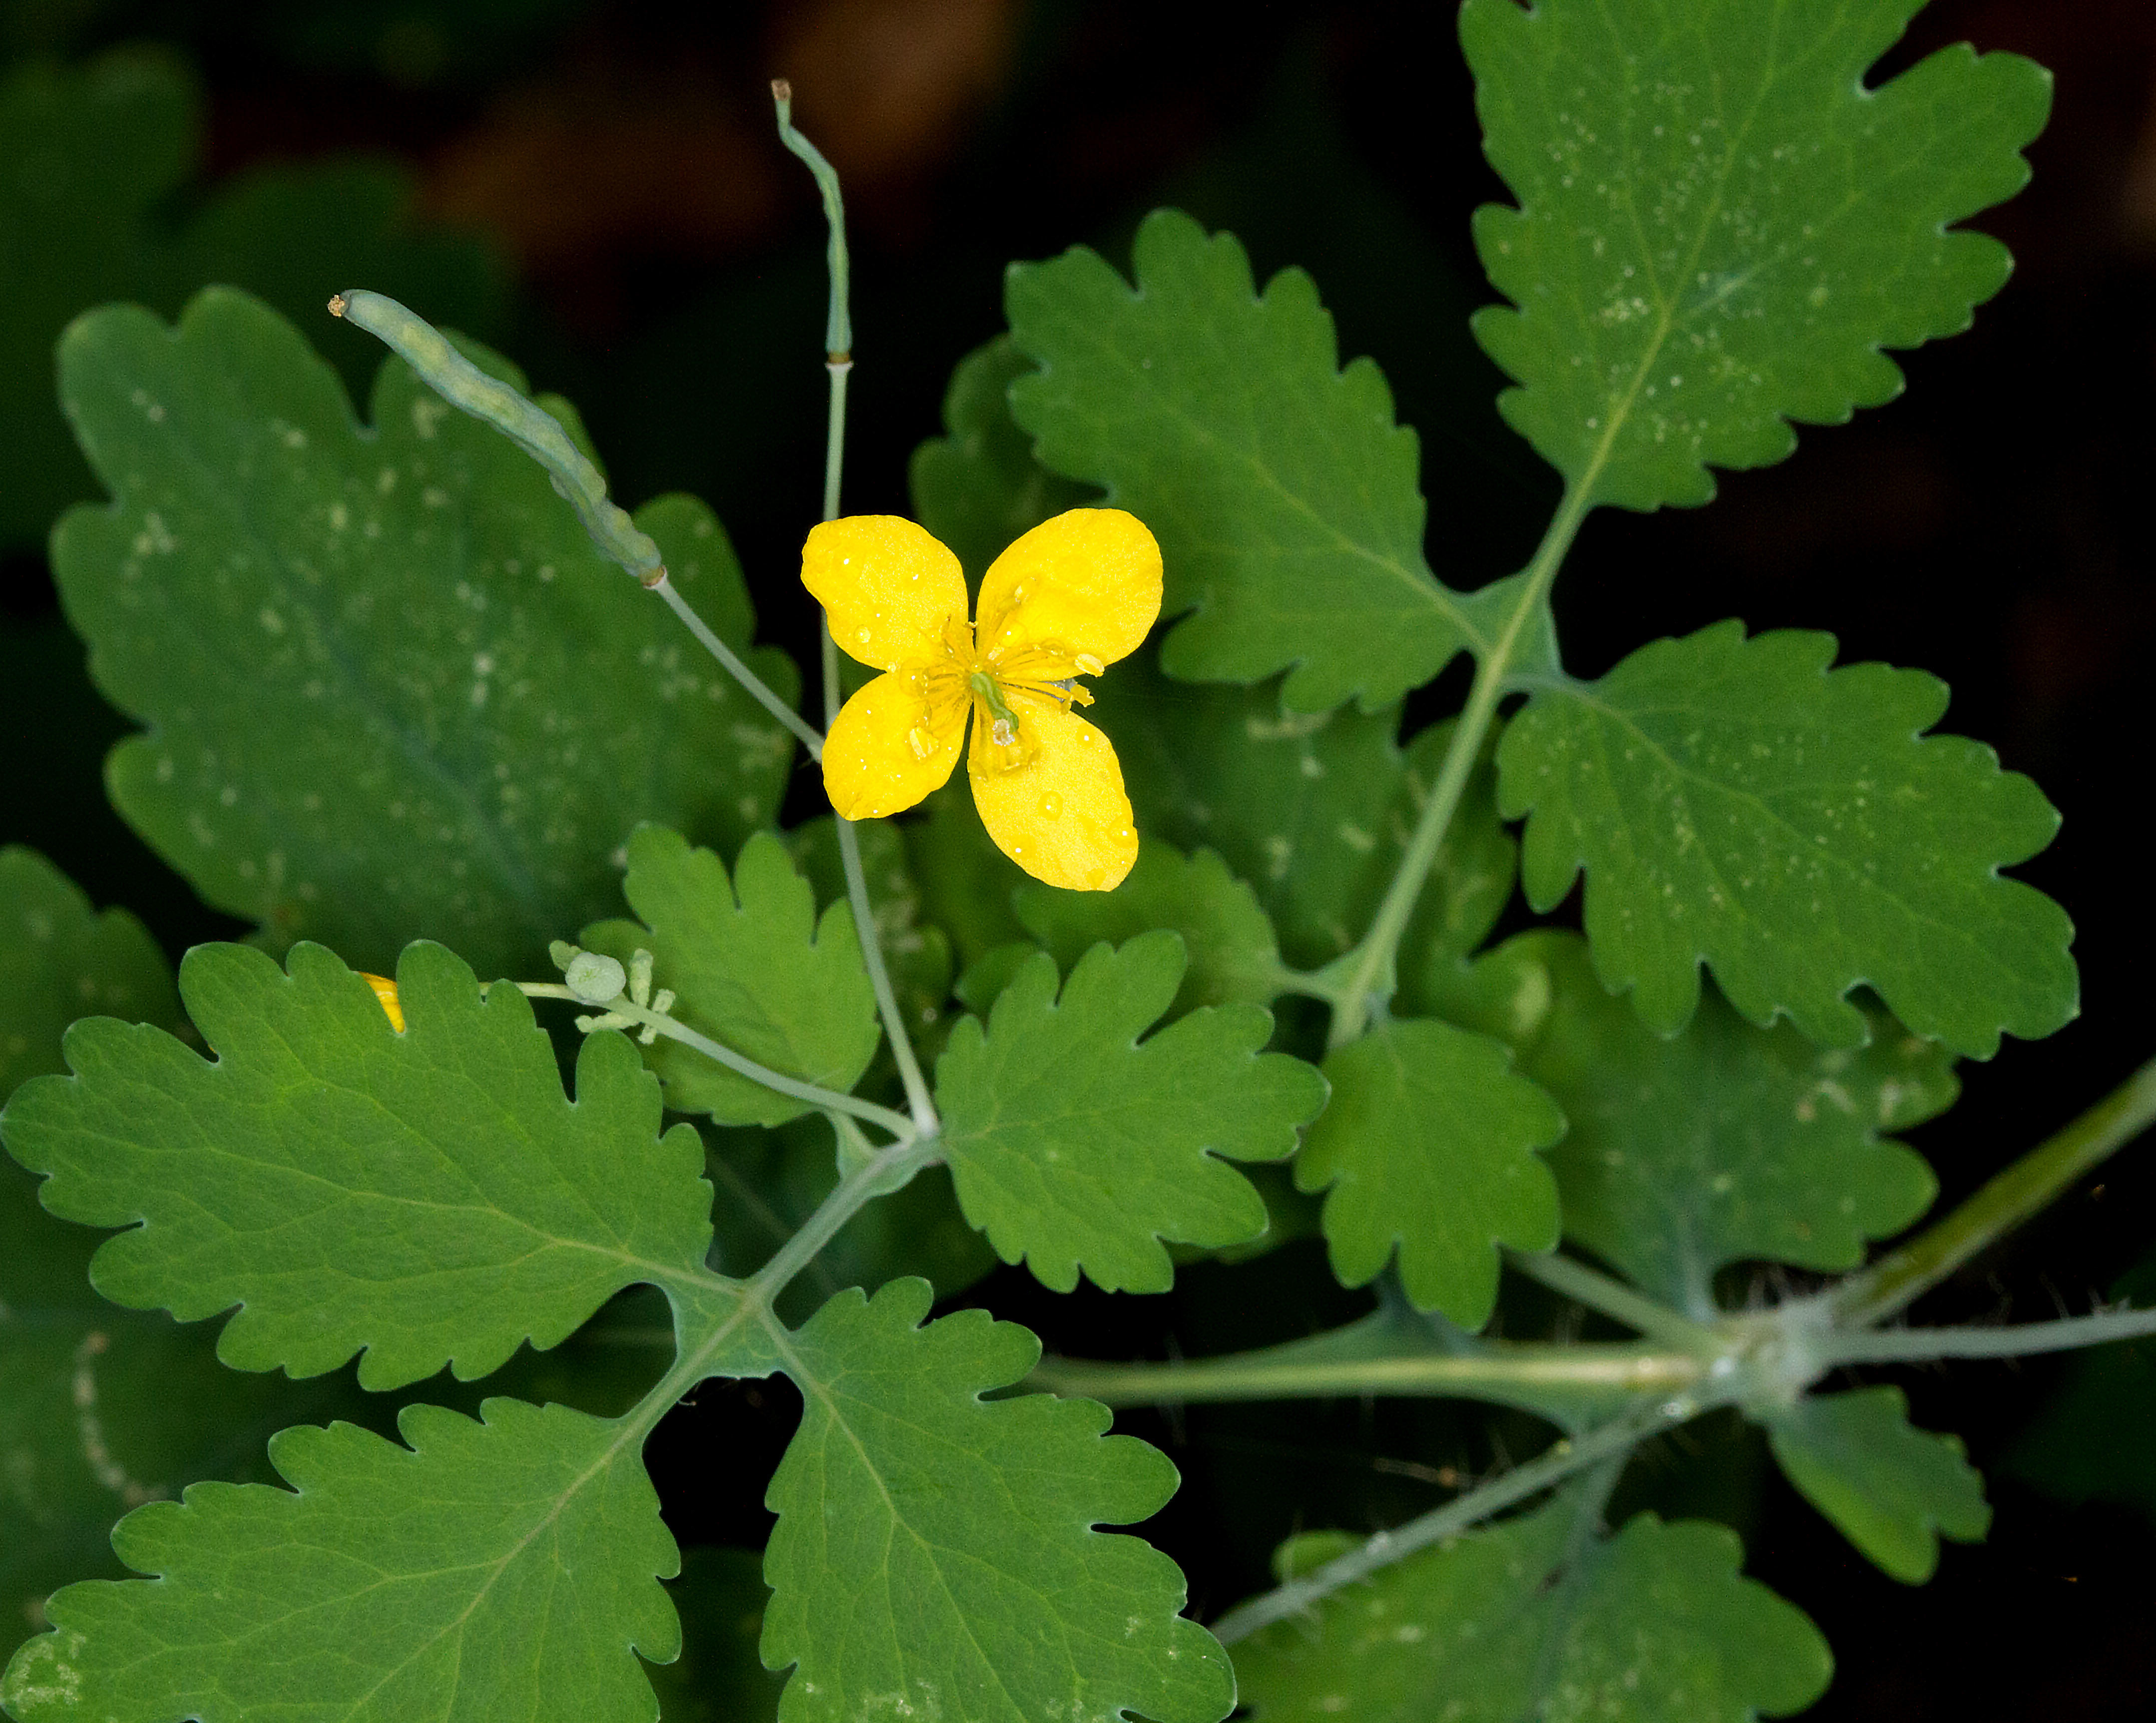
x=1065 y=600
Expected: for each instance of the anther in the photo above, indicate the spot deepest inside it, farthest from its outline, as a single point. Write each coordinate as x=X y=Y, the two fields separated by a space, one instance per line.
x=1088 y=664
x=1002 y=735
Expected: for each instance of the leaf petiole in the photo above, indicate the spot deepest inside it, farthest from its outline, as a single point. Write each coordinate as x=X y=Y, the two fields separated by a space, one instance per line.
x=2020 y=1340
x=891 y=1171
x=1597 y=1291
x=824 y=1100
x=1369 y=970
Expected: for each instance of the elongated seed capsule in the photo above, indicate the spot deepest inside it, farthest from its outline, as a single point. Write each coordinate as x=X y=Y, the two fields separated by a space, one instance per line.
x=531 y=427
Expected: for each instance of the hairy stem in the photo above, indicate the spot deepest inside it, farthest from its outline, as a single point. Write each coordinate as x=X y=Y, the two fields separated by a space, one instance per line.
x=1590 y=1287
x=824 y=1100
x=892 y=1169
x=1369 y=969
x=2023 y=1340
x=1553 y=1465
x=2022 y=1191
x=1500 y=1373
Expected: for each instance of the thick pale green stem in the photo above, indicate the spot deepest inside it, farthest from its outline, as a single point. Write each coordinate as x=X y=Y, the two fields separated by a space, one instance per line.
x=1368 y=973
x=1615 y=1299
x=824 y=1099
x=2022 y=1340
x=1499 y=1374
x=2021 y=1191
x=1560 y=1461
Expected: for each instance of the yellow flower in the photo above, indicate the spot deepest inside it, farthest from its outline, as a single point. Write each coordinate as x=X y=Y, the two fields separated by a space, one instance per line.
x=1067 y=600
x=385 y=990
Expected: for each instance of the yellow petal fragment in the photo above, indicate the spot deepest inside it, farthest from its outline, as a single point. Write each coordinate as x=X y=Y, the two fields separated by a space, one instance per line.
x=385 y=990
x=1064 y=817
x=888 y=587
x=888 y=748
x=1088 y=581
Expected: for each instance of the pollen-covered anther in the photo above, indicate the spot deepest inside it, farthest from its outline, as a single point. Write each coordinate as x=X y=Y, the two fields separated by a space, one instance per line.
x=1002 y=735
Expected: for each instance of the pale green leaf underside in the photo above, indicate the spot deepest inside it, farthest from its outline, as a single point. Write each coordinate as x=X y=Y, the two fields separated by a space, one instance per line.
x=1894 y=1490
x=391 y=690
x=751 y=966
x=1739 y=802
x=935 y=1554
x=978 y=487
x=1428 y=1145
x=1284 y=497
x=1314 y=810
x=1655 y=1625
x=431 y=1196
x=1720 y=227
x=507 y=1568
x=1229 y=938
x=1078 y=1148
x=1725 y=1143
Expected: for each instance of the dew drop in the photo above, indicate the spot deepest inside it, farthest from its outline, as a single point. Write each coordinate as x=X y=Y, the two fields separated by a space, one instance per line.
x=1051 y=804
x=863 y=637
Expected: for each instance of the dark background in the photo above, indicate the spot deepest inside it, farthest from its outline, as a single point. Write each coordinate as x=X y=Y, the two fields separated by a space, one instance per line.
x=1992 y=526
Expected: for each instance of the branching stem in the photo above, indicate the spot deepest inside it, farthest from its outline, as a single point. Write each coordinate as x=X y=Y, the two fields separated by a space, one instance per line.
x=2014 y=1196
x=1613 y=1299
x=826 y=1100
x=890 y=1170
x=1609 y=1441
x=1368 y=972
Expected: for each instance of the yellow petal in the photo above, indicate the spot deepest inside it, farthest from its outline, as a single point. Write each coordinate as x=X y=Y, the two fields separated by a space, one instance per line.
x=385 y=990
x=887 y=587
x=1064 y=817
x=888 y=749
x=1088 y=581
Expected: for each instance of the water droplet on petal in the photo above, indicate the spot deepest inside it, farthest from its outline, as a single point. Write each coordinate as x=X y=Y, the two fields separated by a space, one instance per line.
x=1090 y=664
x=863 y=637
x=1051 y=804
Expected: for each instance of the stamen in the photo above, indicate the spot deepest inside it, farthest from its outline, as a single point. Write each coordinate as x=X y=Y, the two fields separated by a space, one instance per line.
x=1002 y=735
x=1088 y=664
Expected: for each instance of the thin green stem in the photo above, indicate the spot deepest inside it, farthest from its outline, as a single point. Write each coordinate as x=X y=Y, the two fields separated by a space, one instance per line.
x=1590 y=1287
x=1619 y=1436
x=1369 y=970
x=2021 y=1341
x=735 y=666
x=839 y=362
x=826 y=1100
x=1498 y=1373
x=892 y=1169
x=2021 y=1191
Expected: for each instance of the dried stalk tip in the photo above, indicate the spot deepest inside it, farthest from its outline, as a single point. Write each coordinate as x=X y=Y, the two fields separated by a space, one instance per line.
x=781 y=91
x=336 y=304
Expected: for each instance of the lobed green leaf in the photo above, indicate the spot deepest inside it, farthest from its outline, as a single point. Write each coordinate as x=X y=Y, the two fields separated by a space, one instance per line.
x=1077 y=1147
x=1721 y=224
x=1893 y=1490
x=1526 y=1619
x=508 y=1567
x=430 y=1197
x=978 y=487
x=1724 y=1143
x=1430 y=1143
x=751 y=966
x=1284 y=496
x=392 y=689
x=936 y=1553
x=1737 y=801
x=1226 y=936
